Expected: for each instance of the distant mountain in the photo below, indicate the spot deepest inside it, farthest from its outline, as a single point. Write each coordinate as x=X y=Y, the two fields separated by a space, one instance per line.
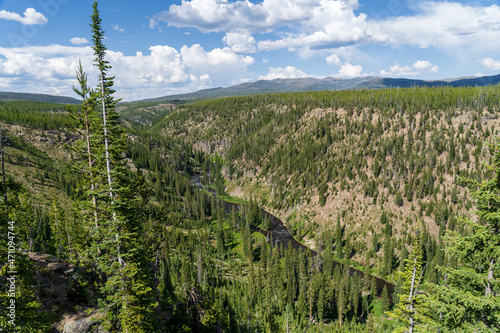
x=13 y=96
x=459 y=82
x=328 y=83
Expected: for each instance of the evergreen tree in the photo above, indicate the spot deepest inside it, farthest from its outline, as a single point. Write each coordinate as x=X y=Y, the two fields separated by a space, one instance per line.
x=343 y=304
x=127 y=296
x=385 y=299
x=383 y=218
x=106 y=91
x=410 y=310
x=470 y=299
x=338 y=239
x=59 y=229
x=89 y=121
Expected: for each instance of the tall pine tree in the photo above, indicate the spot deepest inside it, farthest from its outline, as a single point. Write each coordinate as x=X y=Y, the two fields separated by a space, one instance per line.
x=126 y=300
x=411 y=308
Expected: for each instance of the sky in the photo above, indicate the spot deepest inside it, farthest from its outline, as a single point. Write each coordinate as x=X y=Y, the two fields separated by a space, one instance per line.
x=159 y=48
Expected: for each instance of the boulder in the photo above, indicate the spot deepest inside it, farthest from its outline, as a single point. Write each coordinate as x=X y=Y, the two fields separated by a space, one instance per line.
x=85 y=325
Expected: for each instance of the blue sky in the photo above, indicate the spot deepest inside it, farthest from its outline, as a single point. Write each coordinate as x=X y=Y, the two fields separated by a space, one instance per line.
x=160 y=48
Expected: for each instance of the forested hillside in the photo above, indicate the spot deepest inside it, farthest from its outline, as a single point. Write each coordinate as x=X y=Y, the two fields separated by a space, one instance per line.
x=203 y=257
x=350 y=174
x=148 y=217
x=351 y=156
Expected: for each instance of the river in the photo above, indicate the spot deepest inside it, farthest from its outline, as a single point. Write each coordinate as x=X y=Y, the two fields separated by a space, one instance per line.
x=279 y=234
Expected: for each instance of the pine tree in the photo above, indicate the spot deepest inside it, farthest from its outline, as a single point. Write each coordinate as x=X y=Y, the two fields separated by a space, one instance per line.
x=59 y=229
x=127 y=297
x=338 y=239
x=385 y=299
x=343 y=305
x=470 y=299
x=106 y=91
x=388 y=256
x=410 y=310
x=383 y=218
x=88 y=120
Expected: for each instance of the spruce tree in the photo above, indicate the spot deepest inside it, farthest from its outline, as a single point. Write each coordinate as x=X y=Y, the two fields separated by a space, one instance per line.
x=86 y=119
x=126 y=300
x=469 y=300
x=410 y=310
x=106 y=90
x=338 y=240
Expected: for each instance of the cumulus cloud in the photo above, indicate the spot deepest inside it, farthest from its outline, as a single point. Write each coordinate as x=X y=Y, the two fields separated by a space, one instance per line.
x=31 y=17
x=222 y=15
x=490 y=64
x=417 y=68
x=333 y=60
x=240 y=41
x=222 y=65
x=348 y=70
x=41 y=61
x=78 y=41
x=312 y=25
x=116 y=27
x=283 y=73
x=164 y=70
x=424 y=67
x=441 y=24
x=332 y=24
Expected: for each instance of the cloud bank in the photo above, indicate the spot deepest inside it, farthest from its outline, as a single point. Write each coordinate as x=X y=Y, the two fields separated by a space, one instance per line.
x=165 y=70
x=31 y=17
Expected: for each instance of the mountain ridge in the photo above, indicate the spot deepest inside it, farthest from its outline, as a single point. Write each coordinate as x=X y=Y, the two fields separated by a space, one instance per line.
x=21 y=96
x=281 y=85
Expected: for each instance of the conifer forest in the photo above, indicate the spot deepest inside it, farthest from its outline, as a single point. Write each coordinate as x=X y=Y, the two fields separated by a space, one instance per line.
x=334 y=211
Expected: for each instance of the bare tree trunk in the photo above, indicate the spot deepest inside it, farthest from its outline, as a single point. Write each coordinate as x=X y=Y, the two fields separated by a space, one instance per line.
x=490 y=278
x=108 y=163
x=106 y=146
x=89 y=153
x=410 y=296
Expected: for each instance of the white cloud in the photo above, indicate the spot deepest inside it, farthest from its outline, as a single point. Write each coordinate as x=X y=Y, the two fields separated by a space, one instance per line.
x=222 y=15
x=283 y=73
x=307 y=26
x=490 y=64
x=165 y=70
x=78 y=41
x=41 y=63
x=332 y=24
x=31 y=17
x=333 y=60
x=424 y=67
x=417 y=68
x=443 y=25
x=397 y=70
x=240 y=41
x=117 y=28
x=223 y=65
x=348 y=70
